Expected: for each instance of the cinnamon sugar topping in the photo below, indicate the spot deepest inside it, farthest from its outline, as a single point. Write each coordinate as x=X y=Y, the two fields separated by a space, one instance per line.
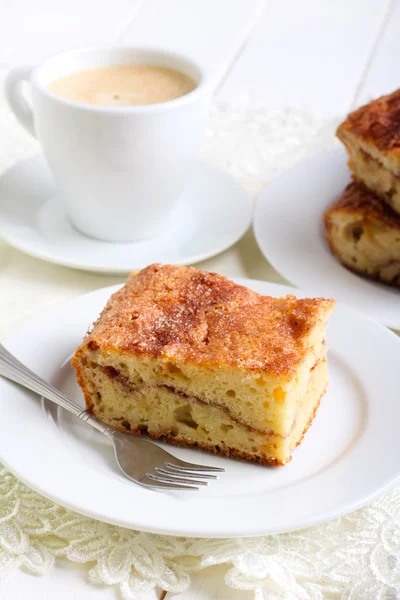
x=191 y=315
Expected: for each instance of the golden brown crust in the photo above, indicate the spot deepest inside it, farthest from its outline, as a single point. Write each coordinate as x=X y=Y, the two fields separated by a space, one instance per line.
x=189 y=315
x=219 y=450
x=357 y=200
x=376 y=123
x=353 y=269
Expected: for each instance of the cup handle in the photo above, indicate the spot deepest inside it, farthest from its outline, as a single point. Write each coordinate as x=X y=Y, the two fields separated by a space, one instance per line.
x=13 y=87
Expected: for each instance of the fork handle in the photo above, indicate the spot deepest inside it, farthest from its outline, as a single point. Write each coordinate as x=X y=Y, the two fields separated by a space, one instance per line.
x=13 y=369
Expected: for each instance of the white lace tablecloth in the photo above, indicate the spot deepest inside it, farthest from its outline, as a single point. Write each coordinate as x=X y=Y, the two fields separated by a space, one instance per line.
x=355 y=557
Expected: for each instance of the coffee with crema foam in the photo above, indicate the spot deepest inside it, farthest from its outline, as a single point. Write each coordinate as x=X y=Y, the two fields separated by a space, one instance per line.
x=123 y=85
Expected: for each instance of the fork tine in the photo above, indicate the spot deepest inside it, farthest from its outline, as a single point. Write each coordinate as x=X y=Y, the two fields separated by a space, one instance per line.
x=183 y=466
x=162 y=479
x=176 y=477
x=166 y=486
x=187 y=474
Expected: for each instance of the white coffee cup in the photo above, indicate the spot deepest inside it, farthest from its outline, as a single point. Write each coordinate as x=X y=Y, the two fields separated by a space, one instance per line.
x=119 y=170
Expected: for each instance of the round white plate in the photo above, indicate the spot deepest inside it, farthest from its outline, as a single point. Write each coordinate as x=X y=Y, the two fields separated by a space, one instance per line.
x=348 y=456
x=288 y=228
x=212 y=214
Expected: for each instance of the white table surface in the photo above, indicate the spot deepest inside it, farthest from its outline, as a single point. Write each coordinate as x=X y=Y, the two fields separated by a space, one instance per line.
x=325 y=57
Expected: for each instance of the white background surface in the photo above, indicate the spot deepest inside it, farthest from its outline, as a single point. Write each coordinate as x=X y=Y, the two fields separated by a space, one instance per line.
x=326 y=57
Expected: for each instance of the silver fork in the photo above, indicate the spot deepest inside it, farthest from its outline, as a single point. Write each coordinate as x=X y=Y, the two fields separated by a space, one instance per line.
x=139 y=459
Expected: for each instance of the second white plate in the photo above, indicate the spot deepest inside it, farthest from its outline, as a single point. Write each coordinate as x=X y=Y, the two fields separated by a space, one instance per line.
x=288 y=228
x=348 y=456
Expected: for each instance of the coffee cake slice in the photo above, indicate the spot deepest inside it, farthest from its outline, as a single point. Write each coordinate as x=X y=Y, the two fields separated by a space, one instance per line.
x=371 y=136
x=197 y=360
x=364 y=234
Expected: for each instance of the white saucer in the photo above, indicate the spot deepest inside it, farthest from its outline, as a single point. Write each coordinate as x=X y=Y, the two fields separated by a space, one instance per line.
x=288 y=228
x=348 y=456
x=211 y=215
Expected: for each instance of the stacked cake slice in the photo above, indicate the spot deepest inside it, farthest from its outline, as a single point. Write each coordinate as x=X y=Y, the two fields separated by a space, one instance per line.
x=363 y=225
